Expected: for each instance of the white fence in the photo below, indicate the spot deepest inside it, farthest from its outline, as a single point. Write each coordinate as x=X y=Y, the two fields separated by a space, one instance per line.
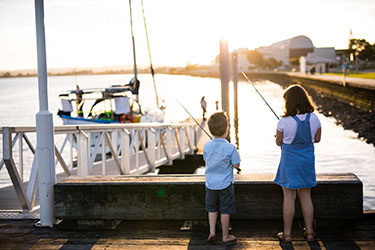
x=120 y=149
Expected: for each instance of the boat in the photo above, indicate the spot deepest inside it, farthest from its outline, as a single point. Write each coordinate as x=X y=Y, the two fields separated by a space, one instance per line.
x=115 y=104
x=123 y=97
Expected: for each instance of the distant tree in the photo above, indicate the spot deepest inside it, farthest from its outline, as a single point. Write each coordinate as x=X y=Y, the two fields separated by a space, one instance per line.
x=368 y=53
x=362 y=49
x=272 y=63
x=190 y=66
x=294 y=61
x=255 y=58
x=7 y=74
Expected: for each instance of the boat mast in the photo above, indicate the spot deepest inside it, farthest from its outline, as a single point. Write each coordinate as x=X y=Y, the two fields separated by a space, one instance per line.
x=149 y=54
x=131 y=26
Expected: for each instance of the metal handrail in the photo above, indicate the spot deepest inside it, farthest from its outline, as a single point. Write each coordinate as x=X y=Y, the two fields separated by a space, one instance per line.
x=130 y=155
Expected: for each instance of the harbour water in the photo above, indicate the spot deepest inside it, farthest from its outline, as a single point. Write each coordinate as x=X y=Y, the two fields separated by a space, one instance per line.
x=339 y=151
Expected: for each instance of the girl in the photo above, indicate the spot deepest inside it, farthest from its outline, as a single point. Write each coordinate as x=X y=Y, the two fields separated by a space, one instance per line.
x=296 y=132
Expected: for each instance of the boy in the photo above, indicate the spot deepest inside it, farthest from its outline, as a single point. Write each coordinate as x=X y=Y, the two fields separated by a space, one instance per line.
x=220 y=157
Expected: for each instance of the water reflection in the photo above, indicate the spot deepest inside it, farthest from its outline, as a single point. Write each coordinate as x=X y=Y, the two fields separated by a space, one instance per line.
x=339 y=150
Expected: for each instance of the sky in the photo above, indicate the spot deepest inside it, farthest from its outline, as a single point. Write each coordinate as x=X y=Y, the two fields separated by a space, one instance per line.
x=96 y=33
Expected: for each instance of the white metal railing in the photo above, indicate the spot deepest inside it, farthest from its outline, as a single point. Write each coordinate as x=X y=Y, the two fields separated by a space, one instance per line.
x=110 y=149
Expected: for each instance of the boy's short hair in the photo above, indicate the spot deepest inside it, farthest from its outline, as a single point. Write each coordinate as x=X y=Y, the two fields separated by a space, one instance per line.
x=218 y=123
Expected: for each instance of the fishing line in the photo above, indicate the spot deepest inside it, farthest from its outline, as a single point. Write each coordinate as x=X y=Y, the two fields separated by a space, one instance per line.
x=187 y=111
x=278 y=118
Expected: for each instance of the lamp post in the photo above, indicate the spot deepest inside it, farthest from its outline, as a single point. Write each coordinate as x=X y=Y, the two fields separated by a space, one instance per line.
x=44 y=128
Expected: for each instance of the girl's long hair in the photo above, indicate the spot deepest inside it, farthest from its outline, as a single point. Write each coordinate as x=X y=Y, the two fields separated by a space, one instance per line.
x=297 y=101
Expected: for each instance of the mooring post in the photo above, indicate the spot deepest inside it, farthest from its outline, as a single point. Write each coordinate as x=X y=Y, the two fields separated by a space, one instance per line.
x=44 y=128
x=235 y=95
x=225 y=77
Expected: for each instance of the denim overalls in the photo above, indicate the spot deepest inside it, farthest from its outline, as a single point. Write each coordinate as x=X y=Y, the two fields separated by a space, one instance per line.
x=297 y=164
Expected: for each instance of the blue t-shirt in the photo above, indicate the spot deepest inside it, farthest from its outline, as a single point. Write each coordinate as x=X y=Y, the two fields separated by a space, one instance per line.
x=220 y=156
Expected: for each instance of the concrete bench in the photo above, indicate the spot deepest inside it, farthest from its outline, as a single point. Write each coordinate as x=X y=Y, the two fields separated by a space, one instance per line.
x=181 y=197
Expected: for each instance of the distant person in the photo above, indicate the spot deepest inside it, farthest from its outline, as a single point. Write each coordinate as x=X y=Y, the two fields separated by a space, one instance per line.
x=217 y=105
x=204 y=107
x=312 y=69
x=79 y=101
x=220 y=158
x=307 y=69
x=345 y=69
x=297 y=131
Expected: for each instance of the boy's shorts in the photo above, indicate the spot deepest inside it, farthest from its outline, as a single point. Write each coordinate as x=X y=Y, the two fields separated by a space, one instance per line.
x=223 y=199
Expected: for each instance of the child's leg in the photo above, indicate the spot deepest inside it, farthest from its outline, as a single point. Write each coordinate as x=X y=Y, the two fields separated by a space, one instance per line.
x=307 y=206
x=227 y=207
x=212 y=217
x=225 y=220
x=288 y=209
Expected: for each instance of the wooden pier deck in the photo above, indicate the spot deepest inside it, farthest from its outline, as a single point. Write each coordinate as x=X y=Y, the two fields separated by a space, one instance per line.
x=165 y=235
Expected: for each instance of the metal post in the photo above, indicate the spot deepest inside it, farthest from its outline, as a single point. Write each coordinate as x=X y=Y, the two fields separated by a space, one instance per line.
x=225 y=77
x=44 y=128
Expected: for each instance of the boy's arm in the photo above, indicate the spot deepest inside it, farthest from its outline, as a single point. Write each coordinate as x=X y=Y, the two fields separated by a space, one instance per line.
x=236 y=166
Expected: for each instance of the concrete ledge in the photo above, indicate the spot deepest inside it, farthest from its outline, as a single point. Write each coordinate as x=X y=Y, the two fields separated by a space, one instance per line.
x=181 y=197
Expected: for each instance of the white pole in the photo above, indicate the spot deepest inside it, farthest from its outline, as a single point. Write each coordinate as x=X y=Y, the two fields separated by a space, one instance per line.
x=44 y=128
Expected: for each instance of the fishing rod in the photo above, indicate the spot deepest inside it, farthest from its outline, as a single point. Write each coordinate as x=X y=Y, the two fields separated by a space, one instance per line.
x=192 y=117
x=278 y=118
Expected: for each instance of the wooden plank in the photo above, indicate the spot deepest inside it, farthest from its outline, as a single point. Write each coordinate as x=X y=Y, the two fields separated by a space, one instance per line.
x=251 y=234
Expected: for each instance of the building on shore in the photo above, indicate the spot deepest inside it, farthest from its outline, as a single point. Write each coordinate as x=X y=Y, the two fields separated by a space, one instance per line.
x=290 y=52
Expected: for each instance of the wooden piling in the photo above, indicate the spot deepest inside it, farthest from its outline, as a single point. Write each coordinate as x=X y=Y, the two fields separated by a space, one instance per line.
x=225 y=77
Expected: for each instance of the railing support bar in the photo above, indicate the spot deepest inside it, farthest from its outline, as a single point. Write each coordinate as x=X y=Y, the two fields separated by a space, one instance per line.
x=113 y=153
x=12 y=170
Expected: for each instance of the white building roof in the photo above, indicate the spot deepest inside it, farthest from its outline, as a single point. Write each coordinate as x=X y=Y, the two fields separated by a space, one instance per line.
x=297 y=42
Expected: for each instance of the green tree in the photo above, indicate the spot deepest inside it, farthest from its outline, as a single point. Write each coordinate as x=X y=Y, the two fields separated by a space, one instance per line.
x=294 y=61
x=361 y=49
x=368 y=53
x=255 y=58
x=273 y=63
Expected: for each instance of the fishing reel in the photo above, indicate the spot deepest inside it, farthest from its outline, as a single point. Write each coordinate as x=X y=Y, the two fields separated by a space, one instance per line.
x=239 y=170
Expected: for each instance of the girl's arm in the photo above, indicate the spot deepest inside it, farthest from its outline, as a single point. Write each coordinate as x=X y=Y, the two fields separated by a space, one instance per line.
x=279 y=137
x=318 y=135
